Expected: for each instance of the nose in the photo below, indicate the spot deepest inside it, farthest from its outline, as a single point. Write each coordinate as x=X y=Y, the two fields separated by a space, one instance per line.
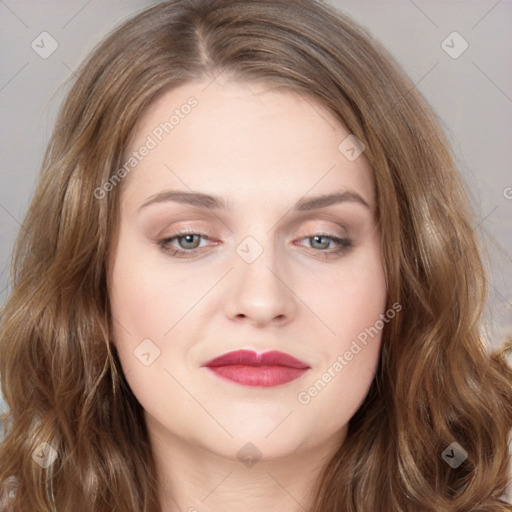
x=261 y=292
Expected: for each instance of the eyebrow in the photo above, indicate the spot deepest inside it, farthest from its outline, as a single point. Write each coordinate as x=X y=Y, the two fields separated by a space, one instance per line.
x=212 y=202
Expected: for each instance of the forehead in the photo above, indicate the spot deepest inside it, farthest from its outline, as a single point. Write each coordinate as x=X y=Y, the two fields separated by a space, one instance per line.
x=241 y=141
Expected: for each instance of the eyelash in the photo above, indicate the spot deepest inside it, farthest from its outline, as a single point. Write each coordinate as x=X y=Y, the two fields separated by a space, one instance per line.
x=345 y=244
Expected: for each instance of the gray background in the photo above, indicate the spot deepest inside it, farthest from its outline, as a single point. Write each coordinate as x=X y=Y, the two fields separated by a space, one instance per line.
x=472 y=95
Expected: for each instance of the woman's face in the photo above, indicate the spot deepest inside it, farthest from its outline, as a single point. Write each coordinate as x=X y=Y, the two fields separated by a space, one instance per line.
x=285 y=258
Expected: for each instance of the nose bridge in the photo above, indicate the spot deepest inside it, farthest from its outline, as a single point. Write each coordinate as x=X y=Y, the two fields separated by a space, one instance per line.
x=258 y=289
x=256 y=261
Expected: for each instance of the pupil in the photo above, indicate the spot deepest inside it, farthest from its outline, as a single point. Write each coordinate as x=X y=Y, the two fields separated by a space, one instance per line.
x=189 y=239
x=319 y=237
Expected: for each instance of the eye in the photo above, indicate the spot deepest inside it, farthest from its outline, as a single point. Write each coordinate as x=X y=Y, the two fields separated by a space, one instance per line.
x=189 y=244
x=321 y=241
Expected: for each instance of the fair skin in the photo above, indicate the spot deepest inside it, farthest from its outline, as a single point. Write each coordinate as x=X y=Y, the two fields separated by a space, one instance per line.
x=261 y=150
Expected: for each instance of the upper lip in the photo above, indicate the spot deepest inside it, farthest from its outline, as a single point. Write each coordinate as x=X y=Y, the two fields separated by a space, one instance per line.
x=251 y=358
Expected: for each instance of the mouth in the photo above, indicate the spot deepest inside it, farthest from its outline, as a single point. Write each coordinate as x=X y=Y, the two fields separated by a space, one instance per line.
x=248 y=368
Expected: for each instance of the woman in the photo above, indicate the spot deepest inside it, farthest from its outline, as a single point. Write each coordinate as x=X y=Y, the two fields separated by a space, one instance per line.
x=249 y=278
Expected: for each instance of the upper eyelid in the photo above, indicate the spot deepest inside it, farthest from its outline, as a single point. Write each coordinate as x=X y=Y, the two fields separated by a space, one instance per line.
x=344 y=227
x=299 y=219
x=321 y=232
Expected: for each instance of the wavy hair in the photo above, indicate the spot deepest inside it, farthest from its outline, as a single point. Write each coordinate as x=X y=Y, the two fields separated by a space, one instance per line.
x=436 y=381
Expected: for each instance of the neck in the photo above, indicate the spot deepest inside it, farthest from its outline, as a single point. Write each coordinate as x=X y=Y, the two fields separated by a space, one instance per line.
x=194 y=478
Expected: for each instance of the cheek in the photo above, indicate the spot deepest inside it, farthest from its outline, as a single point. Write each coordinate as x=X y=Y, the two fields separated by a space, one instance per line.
x=142 y=311
x=136 y=304
x=146 y=298
x=353 y=307
x=152 y=301
x=333 y=395
x=133 y=303
x=351 y=298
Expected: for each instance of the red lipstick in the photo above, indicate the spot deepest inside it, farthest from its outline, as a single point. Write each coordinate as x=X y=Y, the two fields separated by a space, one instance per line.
x=248 y=368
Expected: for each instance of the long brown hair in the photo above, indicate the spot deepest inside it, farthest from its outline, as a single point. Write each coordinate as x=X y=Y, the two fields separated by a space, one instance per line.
x=436 y=383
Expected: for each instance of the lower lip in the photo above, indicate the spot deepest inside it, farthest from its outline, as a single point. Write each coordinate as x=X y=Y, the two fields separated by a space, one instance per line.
x=262 y=376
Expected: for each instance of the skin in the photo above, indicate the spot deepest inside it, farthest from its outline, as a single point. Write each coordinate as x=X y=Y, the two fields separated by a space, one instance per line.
x=262 y=150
